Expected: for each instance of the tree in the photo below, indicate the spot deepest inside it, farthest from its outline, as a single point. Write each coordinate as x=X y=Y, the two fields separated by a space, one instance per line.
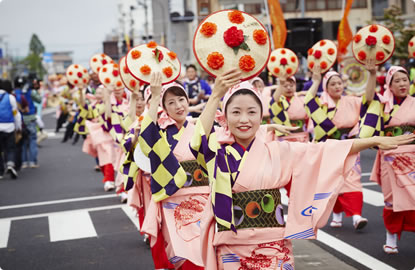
x=401 y=31
x=34 y=59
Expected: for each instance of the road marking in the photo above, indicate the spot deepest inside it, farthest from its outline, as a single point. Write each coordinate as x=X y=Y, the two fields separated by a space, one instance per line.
x=369 y=184
x=4 y=232
x=71 y=225
x=366 y=174
x=69 y=211
x=130 y=212
x=372 y=197
x=352 y=252
x=57 y=201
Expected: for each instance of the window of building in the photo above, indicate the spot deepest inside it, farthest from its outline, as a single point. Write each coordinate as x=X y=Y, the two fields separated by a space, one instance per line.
x=317 y=5
x=378 y=7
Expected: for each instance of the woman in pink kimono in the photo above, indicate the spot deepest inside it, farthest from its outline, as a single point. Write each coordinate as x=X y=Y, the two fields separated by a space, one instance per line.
x=91 y=120
x=287 y=108
x=392 y=114
x=179 y=188
x=335 y=116
x=243 y=227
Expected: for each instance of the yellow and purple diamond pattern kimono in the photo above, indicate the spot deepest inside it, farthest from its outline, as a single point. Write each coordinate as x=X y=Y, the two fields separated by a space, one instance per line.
x=317 y=172
x=177 y=204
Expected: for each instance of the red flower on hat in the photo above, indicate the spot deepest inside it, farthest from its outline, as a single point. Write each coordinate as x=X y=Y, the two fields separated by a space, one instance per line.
x=283 y=51
x=168 y=71
x=70 y=73
x=317 y=54
x=98 y=68
x=322 y=43
x=273 y=58
x=85 y=71
x=135 y=54
x=172 y=55
x=107 y=80
x=413 y=54
x=357 y=38
x=79 y=74
x=208 y=29
x=125 y=69
x=276 y=70
x=293 y=59
x=386 y=39
x=115 y=65
x=76 y=66
x=330 y=51
x=103 y=55
x=310 y=51
x=133 y=83
x=145 y=70
x=380 y=56
x=371 y=40
x=361 y=55
x=152 y=44
x=158 y=54
x=233 y=37
x=283 y=61
x=75 y=82
x=115 y=73
x=85 y=80
x=289 y=70
x=311 y=65
x=246 y=63
x=215 y=60
x=260 y=37
x=104 y=61
x=94 y=59
x=104 y=69
x=119 y=84
x=373 y=28
x=411 y=43
x=236 y=16
x=323 y=65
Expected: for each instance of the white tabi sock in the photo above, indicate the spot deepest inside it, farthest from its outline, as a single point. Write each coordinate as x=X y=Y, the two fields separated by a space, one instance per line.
x=337 y=217
x=356 y=218
x=391 y=239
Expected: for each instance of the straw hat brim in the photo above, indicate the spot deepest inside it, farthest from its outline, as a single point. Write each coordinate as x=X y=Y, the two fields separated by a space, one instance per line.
x=128 y=80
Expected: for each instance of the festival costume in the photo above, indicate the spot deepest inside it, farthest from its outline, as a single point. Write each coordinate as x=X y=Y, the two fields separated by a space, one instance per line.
x=245 y=198
x=338 y=121
x=393 y=170
x=179 y=189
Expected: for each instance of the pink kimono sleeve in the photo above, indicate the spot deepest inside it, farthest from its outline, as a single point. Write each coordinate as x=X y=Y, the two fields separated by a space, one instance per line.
x=318 y=173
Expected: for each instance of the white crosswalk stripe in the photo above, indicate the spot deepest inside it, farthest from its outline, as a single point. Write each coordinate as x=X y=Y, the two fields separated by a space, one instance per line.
x=71 y=225
x=4 y=232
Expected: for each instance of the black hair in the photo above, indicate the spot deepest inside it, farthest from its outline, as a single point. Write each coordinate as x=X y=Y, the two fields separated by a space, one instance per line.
x=191 y=66
x=19 y=82
x=6 y=85
x=244 y=92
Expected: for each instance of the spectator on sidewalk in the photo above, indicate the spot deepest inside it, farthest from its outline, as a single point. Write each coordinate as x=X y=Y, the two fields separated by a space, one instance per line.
x=10 y=121
x=29 y=151
x=197 y=89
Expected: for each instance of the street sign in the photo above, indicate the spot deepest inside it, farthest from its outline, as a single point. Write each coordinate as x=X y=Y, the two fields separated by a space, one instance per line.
x=47 y=57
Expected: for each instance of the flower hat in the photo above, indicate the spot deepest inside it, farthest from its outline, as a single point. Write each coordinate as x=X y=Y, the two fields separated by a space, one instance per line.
x=129 y=81
x=77 y=75
x=283 y=63
x=411 y=47
x=109 y=75
x=373 y=42
x=231 y=39
x=323 y=53
x=144 y=59
x=98 y=60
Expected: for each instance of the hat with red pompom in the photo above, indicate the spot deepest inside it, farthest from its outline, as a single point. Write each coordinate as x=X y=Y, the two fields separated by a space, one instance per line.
x=98 y=60
x=283 y=63
x=322 y=54
x=77 y=75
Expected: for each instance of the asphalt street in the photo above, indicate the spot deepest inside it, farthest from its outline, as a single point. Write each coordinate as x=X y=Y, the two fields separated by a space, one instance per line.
x=59 y=217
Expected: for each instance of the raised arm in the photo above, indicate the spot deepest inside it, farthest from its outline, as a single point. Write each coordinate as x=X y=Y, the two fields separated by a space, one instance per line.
x=155 y=88
x=81 y=98
x=384 y=143
x=132 y=110
x=222 y=84
x=316 y=78
x=277 y=93
x=107 y=103
x=371 y=84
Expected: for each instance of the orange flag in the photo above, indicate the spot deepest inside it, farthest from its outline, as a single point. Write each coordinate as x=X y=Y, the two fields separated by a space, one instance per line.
x=344 y=34
x=279 y=32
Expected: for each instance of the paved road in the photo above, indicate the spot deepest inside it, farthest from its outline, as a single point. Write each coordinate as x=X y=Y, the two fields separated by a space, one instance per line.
x=59 y=217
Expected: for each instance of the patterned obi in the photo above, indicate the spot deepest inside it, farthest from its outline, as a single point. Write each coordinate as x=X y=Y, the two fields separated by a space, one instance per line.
x=340 y=134
x=300 y=123
x=399 y=130
x=257 y=209
x=195 y=176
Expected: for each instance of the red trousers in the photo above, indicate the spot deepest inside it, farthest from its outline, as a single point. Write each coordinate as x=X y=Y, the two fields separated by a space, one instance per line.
x=396 y=222
x=108 y=172
x=350 y=202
